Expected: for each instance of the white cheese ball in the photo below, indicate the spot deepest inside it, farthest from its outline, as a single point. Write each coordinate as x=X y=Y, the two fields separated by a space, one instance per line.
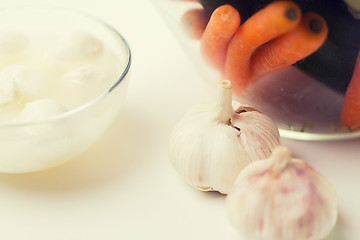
x=75 y=47
x=9 y=92
x=87 y=82
x=88 y=74
x=32 y=83
x=41 y=109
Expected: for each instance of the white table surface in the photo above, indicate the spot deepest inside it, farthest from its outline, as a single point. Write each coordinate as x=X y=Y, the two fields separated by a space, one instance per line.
x=124 y=187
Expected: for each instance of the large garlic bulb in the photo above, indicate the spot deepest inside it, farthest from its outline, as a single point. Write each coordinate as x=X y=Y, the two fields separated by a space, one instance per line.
x=214 y=142
x=282 y=198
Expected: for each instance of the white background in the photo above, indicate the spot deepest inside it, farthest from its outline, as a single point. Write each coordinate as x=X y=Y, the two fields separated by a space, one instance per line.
x=124 y=187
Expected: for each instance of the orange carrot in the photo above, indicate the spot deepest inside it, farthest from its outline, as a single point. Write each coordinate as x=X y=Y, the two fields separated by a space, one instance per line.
x=223 y=23
x=194 y=22
x=350 y=112
x=272 y=21
x=291 y=47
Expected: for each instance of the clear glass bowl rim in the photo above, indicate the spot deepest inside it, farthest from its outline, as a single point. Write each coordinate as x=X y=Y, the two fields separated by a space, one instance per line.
x=96 y=99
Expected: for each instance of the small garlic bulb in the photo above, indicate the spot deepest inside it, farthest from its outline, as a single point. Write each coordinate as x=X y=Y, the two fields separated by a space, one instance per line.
x=282 y=198
x=214 y=142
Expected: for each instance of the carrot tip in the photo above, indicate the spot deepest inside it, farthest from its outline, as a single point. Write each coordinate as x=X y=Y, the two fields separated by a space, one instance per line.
x=316 y=25
x=291 y=13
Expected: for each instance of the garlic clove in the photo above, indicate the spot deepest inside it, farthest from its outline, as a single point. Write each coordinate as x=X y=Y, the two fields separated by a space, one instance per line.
x=282 y=198
x=213 y=142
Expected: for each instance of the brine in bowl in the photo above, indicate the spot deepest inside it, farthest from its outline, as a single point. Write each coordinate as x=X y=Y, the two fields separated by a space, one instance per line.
x=63 y=80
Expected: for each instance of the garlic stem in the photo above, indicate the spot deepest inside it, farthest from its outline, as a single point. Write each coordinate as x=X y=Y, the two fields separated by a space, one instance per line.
x=281 y=157
x=224 y=102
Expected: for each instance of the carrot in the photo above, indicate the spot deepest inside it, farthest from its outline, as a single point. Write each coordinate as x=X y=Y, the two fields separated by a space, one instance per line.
x=194 y=22
x=272 y=21
x=350 y=112
x=223 y=23
x=291 y=47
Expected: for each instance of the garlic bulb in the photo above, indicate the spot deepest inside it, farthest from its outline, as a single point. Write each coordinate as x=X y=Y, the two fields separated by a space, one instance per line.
x=282 y=198
x=214 y=142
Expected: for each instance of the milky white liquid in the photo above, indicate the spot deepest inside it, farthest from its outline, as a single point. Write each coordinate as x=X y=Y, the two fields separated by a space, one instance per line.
x=71 y=83
x=62 y=73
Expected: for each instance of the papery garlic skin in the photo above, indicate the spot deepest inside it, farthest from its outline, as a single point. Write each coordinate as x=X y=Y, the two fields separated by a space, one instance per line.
x=282 y=198
x=214 y=142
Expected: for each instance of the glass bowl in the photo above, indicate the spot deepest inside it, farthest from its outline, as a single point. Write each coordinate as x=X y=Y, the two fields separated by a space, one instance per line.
x=39 y=144
x=304 y=99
